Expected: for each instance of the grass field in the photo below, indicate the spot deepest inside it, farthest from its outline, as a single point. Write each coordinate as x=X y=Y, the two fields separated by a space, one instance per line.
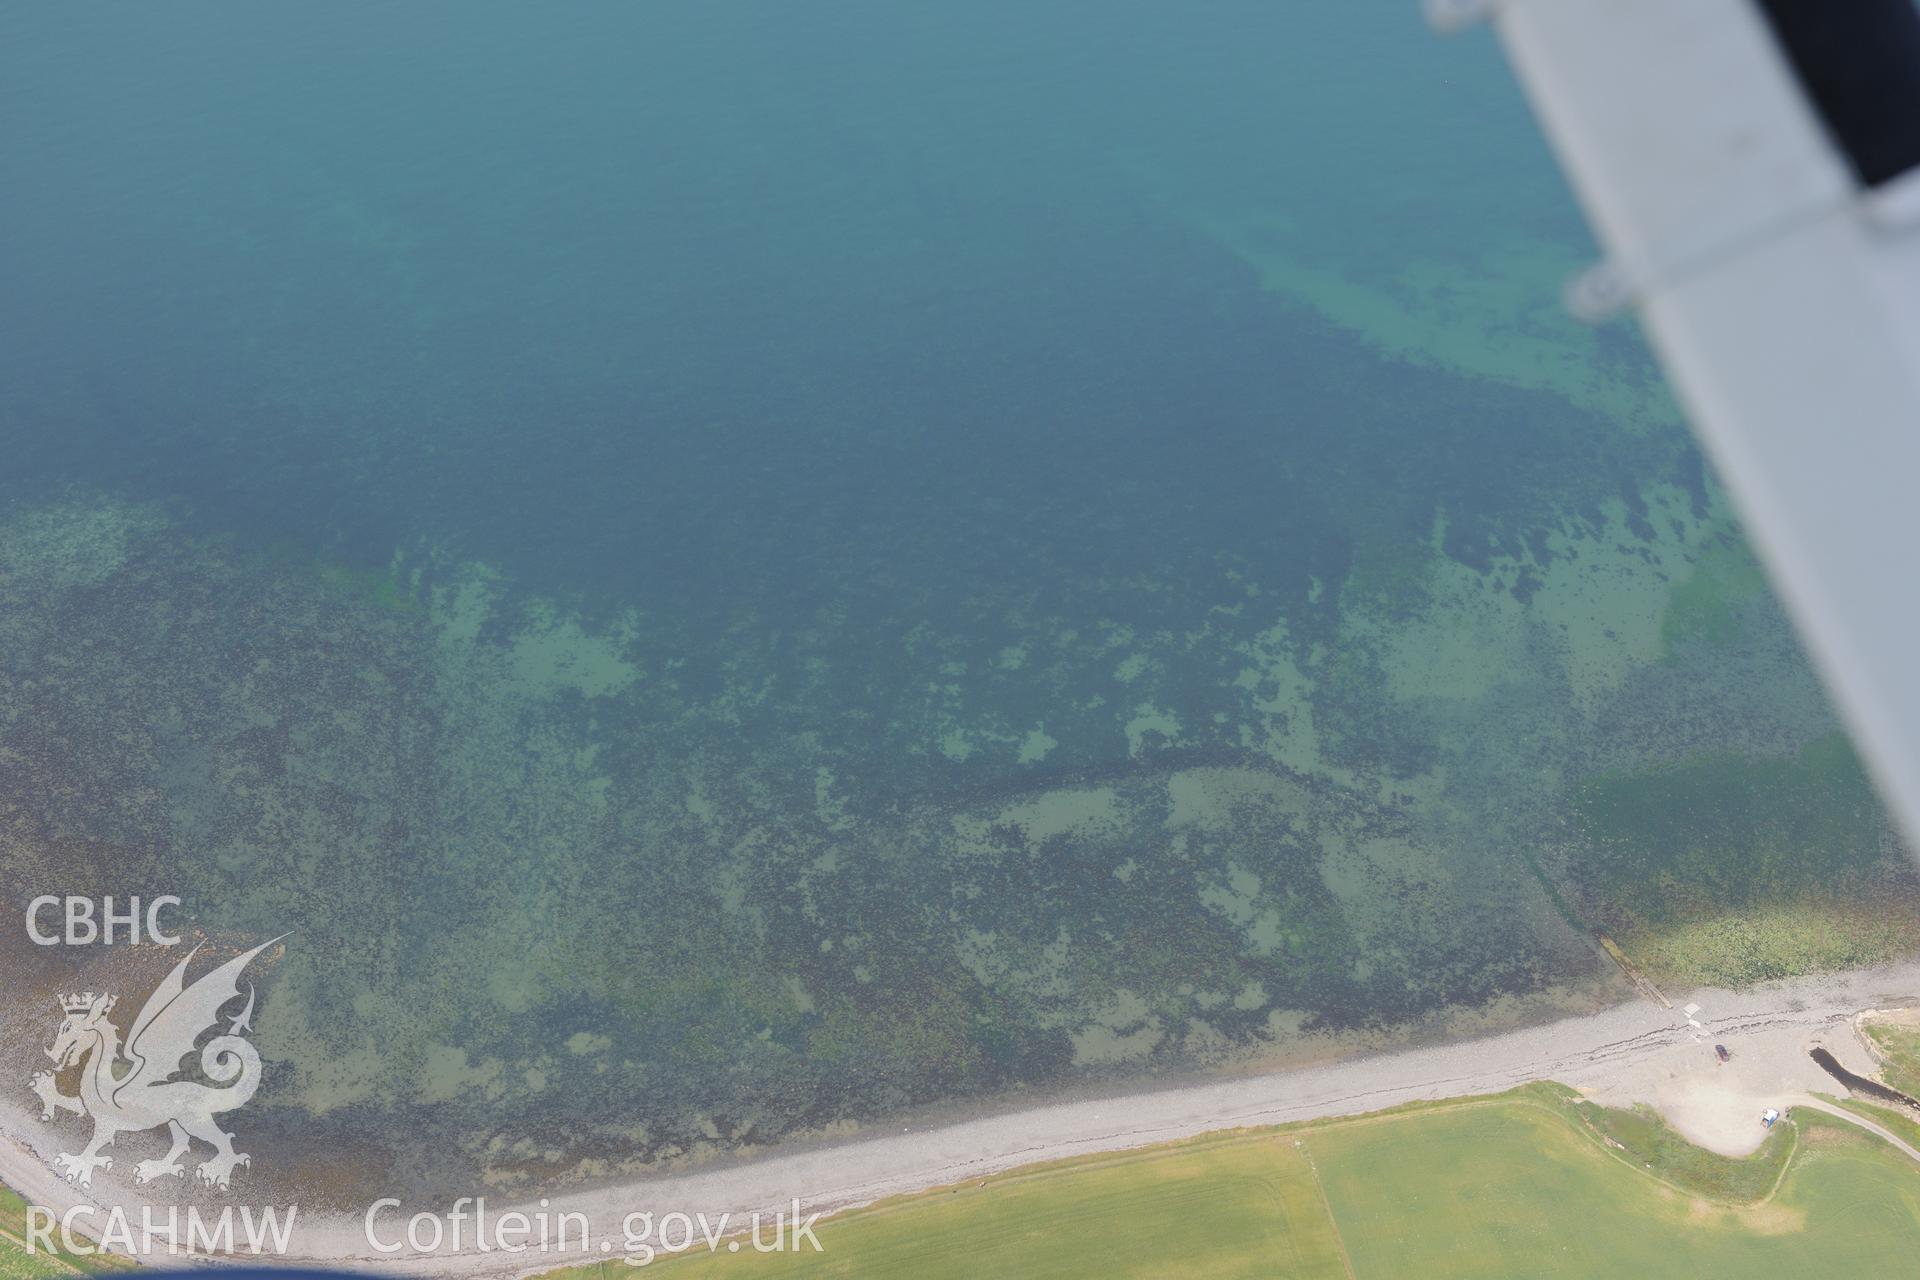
x=1523 y=1185
x=1899 y=1054
x=18 y=1264
x=1532 y=1183
x=1896 y=1120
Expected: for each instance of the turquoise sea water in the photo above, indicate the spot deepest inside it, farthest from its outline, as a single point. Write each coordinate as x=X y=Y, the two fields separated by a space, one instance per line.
x=737 y=570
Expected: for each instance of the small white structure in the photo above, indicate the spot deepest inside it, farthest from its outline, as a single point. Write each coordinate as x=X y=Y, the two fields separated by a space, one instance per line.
x=1768 y=1116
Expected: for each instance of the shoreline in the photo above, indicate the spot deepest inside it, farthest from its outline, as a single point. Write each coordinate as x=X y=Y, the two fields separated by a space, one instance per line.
x=1333 y=1049
x=1632 y=1052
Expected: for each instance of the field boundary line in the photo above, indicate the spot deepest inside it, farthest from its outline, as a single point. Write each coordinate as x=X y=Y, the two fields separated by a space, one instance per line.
x=1244 y=1135
x=36 y=1253
x=1333 y=1223
x=1599 y=1143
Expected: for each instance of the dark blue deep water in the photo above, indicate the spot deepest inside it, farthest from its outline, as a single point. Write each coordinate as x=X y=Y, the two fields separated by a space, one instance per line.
x=732 y=304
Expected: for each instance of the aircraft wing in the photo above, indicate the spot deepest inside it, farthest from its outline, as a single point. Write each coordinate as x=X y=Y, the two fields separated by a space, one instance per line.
x=1752 y=170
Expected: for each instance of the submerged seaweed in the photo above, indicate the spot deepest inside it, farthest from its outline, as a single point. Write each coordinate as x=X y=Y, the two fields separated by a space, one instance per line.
x=547 y=880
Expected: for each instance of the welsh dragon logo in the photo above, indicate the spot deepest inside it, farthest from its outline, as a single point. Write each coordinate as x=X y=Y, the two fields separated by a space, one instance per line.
x=132 y=1086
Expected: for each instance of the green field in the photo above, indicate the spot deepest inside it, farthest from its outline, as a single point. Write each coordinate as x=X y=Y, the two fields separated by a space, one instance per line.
x=1521 y=1185
x=1899 y=1055
x=18 y=1264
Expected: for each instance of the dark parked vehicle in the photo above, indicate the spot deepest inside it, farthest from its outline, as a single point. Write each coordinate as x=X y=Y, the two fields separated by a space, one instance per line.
x=1720 y=1051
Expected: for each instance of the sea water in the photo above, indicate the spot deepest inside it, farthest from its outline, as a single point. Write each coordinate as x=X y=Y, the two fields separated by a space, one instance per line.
x=733 y=571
